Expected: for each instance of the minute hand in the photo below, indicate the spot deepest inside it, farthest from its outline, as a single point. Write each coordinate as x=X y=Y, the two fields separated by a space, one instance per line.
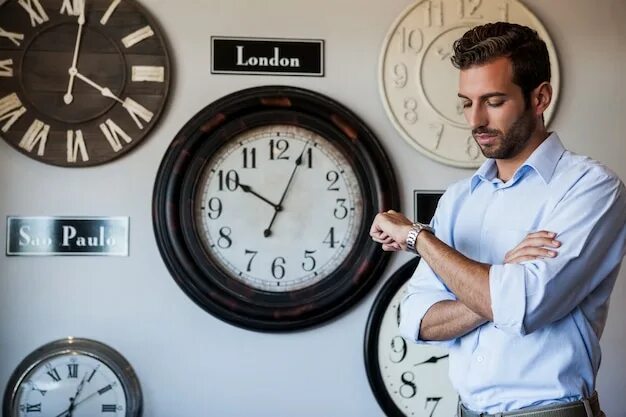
x=267 y=232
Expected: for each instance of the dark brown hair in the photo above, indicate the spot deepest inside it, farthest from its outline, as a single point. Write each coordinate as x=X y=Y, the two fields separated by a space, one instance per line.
x=521 y=44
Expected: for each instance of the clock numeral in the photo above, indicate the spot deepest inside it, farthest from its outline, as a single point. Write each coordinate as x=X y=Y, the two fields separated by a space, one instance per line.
x=341 y=211
x=411 y=40
x=72 y=370
x=471 y=149
x=215 y=208
x=109 y=408
x=105 y=389
x=398 y=347
x=224 y=240
x=253 y=253
x=280 y=146
x=468 y=8
x=113 y=133
x=72 y=7
x=433 y=15
x=249 y=158
x=310 y=259
x=147 y=73
x=408 y=389
x=12 y=36
x=93 y=373
x=401 y=75
x=435 y=400
x=35 y=11
x=330 y=238
x=107 y=15
x=54 y=374
x=410 y=107
x=230 y=181
x=10 y=108
x=278 y=267
x=443 y=53
x=332 y=177
x=37 y=133
x=438 y=127
x=504 y=12
x=137 y=111
x=75 y=144
x=6 y=68
x=309 y=158
x=33 y=408
x=34 y=387
x=137 y=36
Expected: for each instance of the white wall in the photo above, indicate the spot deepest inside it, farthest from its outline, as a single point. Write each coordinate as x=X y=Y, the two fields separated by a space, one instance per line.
x=189 y=362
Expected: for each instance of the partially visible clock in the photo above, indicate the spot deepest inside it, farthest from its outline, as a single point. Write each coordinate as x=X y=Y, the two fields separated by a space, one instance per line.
x=418 y=84
x=262 y=207
x=82 y=82
x=407 y=379
x=73 y=377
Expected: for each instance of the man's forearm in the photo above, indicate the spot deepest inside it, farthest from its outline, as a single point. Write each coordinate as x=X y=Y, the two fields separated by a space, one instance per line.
x=467 y=279
x=448 y=320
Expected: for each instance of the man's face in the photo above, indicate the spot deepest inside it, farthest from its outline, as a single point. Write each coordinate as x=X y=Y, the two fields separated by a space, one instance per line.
x=494 y=108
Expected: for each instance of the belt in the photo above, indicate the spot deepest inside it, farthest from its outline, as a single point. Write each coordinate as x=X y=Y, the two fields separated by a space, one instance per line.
x=583 y=408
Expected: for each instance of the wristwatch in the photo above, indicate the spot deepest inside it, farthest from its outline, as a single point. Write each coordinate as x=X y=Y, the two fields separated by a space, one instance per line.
x=411 y=237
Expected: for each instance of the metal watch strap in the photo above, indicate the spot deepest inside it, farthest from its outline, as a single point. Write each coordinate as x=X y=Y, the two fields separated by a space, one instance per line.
x=411 y=237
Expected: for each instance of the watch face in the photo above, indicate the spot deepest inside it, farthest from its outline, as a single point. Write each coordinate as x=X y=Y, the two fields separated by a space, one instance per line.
x=81 y=81
x=262 y=208
x=73 y=377
x=407 y=379
x=418 y=83
x=279 y=250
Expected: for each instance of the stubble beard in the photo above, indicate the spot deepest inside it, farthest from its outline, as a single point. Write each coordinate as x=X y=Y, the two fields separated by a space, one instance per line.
x=513 y=142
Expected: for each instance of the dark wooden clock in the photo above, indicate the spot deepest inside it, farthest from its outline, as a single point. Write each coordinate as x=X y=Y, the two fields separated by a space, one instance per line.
x=82 y=82
x=262 y=207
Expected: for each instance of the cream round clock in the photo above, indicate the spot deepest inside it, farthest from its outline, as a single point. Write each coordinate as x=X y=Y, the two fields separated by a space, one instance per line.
x=418 y=84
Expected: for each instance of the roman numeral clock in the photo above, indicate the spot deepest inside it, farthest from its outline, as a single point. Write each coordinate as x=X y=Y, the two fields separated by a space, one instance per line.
x=82 y=82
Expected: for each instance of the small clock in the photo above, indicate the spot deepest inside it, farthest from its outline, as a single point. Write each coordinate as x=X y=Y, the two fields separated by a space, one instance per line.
x=262 y=207
x=73 y=377
x=418 y=84
x=408 y=380
x=82 y=82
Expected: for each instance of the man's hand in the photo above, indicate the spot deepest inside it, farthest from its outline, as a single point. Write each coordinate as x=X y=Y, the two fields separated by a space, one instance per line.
x=391 y=228
x=535 y=245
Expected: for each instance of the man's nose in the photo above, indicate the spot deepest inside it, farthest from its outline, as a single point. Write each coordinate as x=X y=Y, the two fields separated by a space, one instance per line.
x=476 y=116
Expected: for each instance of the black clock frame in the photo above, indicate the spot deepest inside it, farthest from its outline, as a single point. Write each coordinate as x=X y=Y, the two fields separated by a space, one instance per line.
x=200 y=277
x=372 y=331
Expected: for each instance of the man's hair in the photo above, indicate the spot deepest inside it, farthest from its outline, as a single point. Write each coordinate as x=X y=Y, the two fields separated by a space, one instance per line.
x=526 y=50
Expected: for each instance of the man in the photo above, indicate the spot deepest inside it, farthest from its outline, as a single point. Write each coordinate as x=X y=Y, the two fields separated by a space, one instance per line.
x=522 y=320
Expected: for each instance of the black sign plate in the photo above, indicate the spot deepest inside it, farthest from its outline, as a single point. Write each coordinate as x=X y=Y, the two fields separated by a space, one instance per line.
x=233 y=55
x=95 y=236
x=425 y=204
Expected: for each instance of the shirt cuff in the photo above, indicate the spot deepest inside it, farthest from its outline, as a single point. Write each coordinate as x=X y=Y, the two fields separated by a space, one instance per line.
x=413 y=309
x=507 y=285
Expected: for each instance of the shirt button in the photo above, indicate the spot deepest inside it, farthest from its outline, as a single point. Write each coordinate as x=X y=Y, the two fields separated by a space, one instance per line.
x=480 y=358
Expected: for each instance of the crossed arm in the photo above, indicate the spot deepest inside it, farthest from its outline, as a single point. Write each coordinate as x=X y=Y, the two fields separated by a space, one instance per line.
x=466 y=278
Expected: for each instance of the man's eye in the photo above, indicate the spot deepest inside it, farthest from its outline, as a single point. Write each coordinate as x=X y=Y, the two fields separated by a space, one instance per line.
x=466 y=105
x=495 y=103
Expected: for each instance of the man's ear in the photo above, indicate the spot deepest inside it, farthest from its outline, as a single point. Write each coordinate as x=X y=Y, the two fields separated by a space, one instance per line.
x=541 y=97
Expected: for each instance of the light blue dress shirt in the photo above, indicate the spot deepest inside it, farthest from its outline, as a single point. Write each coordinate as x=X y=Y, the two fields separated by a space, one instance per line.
x=548 y=314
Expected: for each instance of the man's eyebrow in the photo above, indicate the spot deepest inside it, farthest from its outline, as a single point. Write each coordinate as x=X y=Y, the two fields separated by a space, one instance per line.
x=485 y=96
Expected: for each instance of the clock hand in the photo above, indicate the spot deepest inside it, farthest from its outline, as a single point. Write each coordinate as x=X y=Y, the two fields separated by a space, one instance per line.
x=103 y=90
x=268 y=232
x=432 y=359
x=68 y=97
x=70 y=409
x=248 y=189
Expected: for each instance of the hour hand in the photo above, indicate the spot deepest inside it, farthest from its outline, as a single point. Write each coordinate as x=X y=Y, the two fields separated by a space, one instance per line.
x=248 y=189
x=103 y=90
x=432 y=359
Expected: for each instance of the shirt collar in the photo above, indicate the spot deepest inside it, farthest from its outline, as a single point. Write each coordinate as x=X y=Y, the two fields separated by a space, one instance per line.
x=543 y=160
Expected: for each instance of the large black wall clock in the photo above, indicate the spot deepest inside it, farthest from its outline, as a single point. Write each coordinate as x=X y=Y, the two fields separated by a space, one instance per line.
x=262 y=206
x=408 y=380
x=82 y=82
x=73 y=377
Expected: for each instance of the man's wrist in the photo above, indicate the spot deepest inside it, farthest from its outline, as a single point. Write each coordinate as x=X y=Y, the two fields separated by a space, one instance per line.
x=412 y=235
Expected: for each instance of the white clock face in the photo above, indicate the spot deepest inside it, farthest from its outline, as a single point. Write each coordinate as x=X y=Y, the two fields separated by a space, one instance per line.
x=279 y=207
x=73 y=383
x=419 y=85
x=415 y=376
